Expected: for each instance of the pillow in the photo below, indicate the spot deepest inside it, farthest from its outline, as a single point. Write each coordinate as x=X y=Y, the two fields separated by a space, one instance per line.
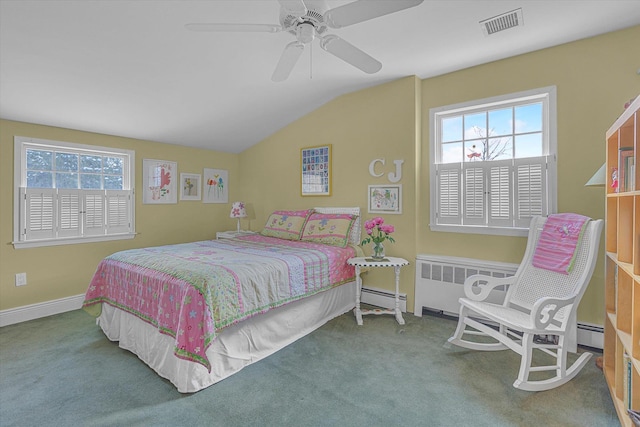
x=286 y=224
x=330 y=229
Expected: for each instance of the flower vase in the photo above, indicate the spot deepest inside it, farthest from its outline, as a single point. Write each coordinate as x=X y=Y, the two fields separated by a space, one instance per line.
x=378 y=251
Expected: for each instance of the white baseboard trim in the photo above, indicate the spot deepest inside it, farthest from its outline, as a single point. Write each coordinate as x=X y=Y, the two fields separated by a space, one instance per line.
x=588 y=334
x=382 y=298
x=591 y=335
x=42 y=309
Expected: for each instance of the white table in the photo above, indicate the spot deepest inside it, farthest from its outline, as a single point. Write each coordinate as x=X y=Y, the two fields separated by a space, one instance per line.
x=367 y=262
x=233 y=234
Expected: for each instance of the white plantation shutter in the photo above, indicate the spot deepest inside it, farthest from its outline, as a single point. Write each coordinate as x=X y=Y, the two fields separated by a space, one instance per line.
x=500 y=193
x=93 y=212
x=474 y=194
x=49 y=213
x=530 y=189
x=118 y=211
x=69 y=224
x=449 y=209
x=37 y=213
x=44 y=215
x=498 y=186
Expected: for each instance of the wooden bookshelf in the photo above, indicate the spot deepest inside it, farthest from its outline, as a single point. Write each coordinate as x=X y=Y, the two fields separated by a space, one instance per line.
x=622 y=287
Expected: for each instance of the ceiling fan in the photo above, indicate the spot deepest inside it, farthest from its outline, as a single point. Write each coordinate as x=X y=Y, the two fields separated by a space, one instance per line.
x=310 y=19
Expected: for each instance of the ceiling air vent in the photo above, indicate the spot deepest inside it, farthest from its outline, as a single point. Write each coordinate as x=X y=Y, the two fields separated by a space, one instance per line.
x=502 y=22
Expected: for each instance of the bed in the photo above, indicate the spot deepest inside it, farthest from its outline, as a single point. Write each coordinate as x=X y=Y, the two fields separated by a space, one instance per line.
x=199 y=312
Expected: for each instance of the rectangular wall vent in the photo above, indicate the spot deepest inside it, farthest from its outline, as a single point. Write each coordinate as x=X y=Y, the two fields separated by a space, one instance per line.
x=502 y=22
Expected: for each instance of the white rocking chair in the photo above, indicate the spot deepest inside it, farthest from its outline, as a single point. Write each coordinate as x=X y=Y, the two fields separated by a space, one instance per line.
x=538 y=303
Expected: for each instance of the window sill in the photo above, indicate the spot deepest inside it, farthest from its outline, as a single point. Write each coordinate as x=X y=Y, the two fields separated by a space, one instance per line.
x=71 y=241
x=476 y=229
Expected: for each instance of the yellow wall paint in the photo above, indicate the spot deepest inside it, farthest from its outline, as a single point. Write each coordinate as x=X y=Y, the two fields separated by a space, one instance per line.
x=376 y=123
x=61 y=271
x=594 y=77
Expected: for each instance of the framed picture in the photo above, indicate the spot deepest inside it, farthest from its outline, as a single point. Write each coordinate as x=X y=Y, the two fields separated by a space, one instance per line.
x=215 y=188
x=159 y=181
x=315 y=168
x=190 y=186
x=385 y=199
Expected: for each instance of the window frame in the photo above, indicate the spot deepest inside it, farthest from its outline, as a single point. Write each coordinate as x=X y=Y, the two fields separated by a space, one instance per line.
x=547 y=95
x=20 y=208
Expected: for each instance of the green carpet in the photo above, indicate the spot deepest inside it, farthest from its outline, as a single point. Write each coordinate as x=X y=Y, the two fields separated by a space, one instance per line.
x=62 y=371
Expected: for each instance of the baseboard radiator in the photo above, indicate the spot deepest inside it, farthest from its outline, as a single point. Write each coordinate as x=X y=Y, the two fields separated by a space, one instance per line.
x=439 y=284
x=383 y=298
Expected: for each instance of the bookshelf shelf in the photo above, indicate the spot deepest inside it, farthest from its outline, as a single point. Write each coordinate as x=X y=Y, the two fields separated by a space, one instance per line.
x=622 y=288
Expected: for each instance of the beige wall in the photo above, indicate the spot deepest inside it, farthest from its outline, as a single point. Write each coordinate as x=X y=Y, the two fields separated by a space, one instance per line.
x=594 y=78
x=61 y=271
x=376 y=123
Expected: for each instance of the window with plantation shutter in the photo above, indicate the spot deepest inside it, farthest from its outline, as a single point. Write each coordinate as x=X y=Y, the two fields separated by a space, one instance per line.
x=474 y=195
x=118 y=212
x=493 y=163
x=93 y=212
x=68 y=213
x=71 y=193
x=531 y=182
x=40 y=215
x=500 y=176
x=449 y=210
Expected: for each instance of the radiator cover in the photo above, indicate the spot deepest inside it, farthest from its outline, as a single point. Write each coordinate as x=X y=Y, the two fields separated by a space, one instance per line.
x=440 y=279
x=440 y=283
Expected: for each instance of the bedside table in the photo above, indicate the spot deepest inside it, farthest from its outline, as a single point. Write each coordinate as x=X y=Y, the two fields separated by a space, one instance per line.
x=233 y=234
x=389 y=261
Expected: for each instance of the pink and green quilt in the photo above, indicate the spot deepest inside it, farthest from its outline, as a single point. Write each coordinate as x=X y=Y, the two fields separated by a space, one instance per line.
x=192 y=291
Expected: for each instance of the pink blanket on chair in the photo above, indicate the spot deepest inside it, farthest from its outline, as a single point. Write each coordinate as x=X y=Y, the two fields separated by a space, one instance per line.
x=556 y=248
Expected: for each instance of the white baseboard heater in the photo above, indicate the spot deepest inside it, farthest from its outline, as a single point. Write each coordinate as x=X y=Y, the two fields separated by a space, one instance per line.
x=383 y=298
x=440 y=280
x=439 y=285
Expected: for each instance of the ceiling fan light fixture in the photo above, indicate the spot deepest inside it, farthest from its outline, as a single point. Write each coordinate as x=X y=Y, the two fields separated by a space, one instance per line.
x=310 y=19
x=305 y=32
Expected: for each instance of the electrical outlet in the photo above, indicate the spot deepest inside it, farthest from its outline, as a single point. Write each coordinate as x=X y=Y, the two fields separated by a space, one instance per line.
x=21 y=279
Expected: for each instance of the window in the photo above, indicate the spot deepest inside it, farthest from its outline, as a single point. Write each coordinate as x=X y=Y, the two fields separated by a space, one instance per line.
x=70 y=193
x=493 y=163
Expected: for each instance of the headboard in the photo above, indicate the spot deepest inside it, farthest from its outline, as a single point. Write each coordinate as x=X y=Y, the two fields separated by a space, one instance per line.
x=354 y=237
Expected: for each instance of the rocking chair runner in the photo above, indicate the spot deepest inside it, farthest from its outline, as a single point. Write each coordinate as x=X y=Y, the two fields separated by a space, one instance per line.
x=538 y=302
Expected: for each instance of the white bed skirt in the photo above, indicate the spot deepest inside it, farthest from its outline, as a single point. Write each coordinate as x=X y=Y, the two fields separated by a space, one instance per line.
x=236 y=347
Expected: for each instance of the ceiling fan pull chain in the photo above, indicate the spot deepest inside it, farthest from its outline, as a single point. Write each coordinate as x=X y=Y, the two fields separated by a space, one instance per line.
x=310 y=61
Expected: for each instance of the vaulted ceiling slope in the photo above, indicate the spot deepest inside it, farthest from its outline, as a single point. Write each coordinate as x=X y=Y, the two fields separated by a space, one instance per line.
x=132 y=68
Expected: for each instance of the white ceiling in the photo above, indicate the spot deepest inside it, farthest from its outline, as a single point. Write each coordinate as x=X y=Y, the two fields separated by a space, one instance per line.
x=130 y=68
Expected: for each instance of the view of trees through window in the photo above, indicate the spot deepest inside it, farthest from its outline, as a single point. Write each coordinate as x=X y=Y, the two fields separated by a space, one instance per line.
x=61 y=169
x=504 y=133
x=493 y=162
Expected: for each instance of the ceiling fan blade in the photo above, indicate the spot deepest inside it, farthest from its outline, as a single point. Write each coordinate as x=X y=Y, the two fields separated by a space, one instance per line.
x=349 y=53
x=234 y=28
x=287 y=61
x=294 y=7
x=363 y=10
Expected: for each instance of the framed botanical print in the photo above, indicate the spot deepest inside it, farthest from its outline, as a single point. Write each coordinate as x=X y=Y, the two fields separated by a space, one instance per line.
x=190 y=184
x=385 y=199
x=215 y=186
x=159 y=181
x=315 y=168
